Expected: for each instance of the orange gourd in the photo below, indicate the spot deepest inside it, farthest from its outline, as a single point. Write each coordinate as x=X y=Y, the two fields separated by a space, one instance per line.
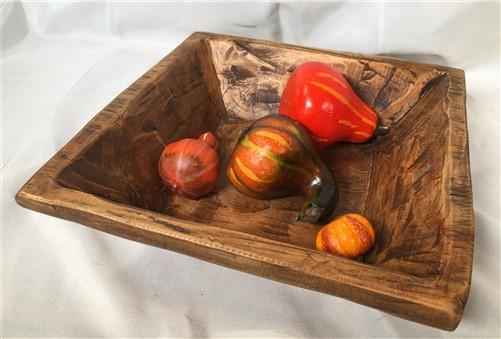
x=274 y=158
x=350 y=235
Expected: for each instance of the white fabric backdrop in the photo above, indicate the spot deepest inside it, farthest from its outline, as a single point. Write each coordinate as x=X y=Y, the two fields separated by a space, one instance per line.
x=63 y=62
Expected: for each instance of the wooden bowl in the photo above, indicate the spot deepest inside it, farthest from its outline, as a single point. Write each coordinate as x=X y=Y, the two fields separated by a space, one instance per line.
x=413 y=184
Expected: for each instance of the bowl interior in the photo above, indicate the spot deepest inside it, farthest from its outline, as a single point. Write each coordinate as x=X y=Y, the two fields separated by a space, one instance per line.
x=222 y=85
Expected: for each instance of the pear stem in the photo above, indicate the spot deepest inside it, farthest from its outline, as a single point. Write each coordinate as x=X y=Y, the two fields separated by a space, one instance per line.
x=381 y=130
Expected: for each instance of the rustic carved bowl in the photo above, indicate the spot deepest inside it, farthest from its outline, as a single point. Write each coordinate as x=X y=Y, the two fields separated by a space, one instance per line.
x=413 y=184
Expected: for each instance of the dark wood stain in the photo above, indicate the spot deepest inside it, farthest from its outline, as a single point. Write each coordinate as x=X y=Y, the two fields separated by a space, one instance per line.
x=413 y=184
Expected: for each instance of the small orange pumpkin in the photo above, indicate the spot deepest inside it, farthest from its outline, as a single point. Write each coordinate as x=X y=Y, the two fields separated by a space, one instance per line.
x=350 y=235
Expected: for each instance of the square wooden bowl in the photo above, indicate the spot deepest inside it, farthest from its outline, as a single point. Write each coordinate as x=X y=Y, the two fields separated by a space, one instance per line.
x=413 y=184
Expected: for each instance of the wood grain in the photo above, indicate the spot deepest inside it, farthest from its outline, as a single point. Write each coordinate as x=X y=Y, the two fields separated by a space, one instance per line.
x=413 y=184
x=121 y=164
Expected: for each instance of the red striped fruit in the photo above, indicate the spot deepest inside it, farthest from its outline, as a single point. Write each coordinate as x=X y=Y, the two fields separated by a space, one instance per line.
x=190 y=167
x=273 y=158
x=320 y=98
